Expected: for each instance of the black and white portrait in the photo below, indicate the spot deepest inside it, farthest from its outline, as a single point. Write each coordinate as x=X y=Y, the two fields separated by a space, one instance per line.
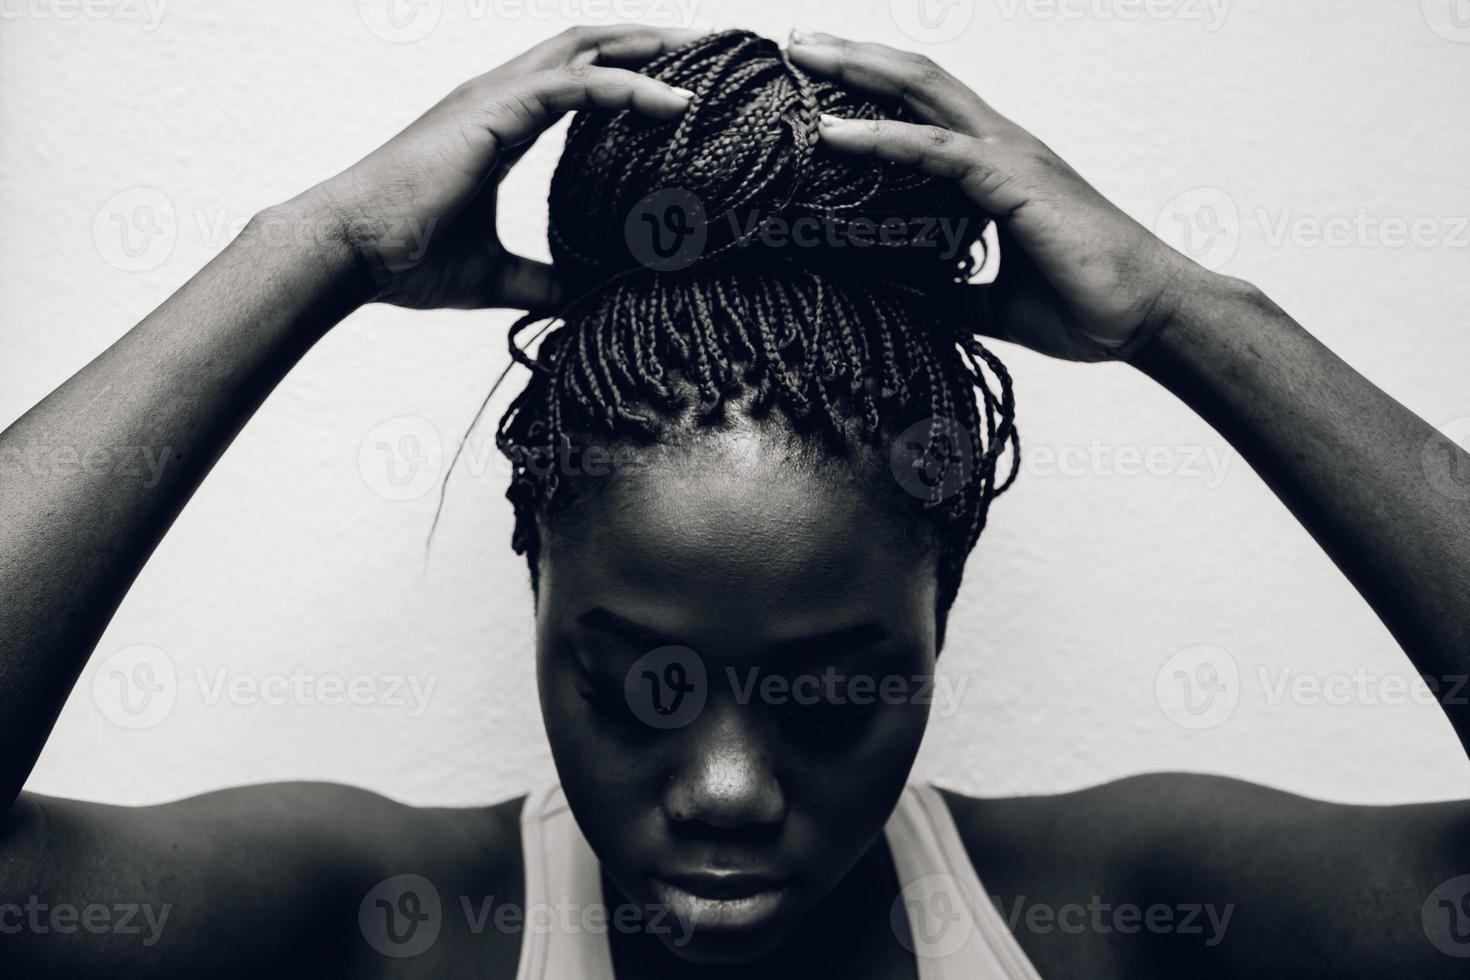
x=665 y=489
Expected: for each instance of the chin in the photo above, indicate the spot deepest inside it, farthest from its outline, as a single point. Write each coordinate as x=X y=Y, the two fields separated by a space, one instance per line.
x=724 y=948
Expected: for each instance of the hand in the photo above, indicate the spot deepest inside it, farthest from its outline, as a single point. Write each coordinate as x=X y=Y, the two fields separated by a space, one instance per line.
x=419 y=211
x=1078 y=279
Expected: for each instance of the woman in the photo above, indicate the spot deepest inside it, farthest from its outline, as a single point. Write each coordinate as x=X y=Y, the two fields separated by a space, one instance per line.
x=753 y=520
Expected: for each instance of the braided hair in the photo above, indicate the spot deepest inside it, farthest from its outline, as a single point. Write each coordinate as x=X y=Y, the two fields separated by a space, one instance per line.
x=850 y=341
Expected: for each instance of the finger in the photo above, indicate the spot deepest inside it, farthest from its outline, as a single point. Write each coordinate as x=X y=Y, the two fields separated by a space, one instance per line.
x=625 y=45
x=933 y=93
x=983 y=321
x=491 y=278
x=541 y=98
x=481 y=211
x=526 y=284
x=994 y=174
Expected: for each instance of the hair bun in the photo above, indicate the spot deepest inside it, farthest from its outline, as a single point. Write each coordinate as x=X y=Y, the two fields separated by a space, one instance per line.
x=742 y=176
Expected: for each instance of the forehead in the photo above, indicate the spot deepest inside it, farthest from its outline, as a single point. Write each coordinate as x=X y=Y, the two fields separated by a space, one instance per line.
x=740 y=529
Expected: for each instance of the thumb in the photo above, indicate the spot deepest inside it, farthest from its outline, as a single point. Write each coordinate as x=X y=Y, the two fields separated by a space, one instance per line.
x=979 y=304
x=527 y=284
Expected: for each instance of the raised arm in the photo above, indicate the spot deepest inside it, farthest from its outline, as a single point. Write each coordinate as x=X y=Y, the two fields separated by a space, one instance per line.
x=1082 y=281
x=174 y=390
x=411 y=224
x=1368 y=478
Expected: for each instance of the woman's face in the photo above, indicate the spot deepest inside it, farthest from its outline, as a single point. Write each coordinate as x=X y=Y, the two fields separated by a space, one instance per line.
x=732 y=659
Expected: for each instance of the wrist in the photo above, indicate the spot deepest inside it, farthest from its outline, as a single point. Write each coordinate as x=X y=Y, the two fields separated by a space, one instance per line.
x=308 y=235
x=1189 y=316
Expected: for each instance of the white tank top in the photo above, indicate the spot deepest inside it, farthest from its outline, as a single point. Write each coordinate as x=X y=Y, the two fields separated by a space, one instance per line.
x=956 y=931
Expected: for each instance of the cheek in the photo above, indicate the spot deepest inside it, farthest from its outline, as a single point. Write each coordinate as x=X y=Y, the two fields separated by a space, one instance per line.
x=608 y=770
x=825 y=781
x=579 y=735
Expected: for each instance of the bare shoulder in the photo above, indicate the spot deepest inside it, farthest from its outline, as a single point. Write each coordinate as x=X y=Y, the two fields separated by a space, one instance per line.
x=1278 y=884
x=245 y=880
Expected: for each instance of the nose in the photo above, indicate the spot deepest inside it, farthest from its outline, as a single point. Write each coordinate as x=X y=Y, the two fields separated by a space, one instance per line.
x=725 y=780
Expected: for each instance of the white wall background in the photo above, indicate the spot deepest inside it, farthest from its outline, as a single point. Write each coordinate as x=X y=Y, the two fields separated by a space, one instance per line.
x=1087 y=582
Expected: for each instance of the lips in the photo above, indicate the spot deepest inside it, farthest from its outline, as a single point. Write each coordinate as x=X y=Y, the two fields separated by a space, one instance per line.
x=722 y=901
x=723 y=884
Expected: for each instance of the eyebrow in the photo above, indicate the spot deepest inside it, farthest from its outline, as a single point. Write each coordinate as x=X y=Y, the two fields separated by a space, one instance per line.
x=606 y=621
x=845 y=639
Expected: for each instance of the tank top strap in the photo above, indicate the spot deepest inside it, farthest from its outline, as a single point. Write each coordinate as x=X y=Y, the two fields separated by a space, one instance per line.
x=956 y=931
x=563 y=883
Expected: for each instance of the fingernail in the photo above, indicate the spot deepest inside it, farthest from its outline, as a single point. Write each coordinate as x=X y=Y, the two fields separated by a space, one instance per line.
x=801 y=36
x=831 y=120
x=681 y=92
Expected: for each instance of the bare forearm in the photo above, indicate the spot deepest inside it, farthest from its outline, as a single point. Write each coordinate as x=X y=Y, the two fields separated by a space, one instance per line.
x=96 y=473
x=1347 y=459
